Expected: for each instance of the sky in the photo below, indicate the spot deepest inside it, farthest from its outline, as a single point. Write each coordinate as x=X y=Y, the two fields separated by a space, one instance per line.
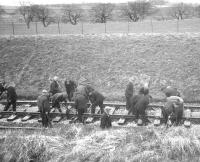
x=17 y=2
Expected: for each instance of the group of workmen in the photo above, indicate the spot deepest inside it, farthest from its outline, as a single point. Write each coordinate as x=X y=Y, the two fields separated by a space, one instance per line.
x=83 y=92
x=136 y=104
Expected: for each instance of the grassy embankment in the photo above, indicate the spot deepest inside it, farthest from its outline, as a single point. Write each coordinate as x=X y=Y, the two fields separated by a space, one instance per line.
x=88 y=143
x=106 y=60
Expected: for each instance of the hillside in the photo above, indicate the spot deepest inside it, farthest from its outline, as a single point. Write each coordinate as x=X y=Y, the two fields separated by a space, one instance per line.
x=106 y=60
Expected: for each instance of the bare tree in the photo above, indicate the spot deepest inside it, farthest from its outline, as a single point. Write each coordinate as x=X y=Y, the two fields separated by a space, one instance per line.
x=102 y=12
x=27 y=13
x=43 y=14
x=136 y=10
x=181 y=10
x=72 y=14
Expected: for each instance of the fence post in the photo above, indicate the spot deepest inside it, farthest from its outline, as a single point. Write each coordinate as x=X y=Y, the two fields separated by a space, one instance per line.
x=13 y=28
x=177 y=25
x=36 y=29
x=151 y=26
x=105 y=26
x=59 y=26
x=81 y=27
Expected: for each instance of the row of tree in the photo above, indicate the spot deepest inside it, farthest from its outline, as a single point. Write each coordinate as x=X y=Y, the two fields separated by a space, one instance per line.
x=102 y=12
x=32 y=13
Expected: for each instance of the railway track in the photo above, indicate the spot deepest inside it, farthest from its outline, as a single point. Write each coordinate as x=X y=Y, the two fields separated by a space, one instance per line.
x=26 y=115
x=115 y=104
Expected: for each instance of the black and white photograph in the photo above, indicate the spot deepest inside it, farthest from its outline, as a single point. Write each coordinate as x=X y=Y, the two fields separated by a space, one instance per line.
x=99 y=80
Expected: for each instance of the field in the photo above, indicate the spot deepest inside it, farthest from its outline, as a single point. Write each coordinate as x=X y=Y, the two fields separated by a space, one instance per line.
x=89 y=143
x=147 y=26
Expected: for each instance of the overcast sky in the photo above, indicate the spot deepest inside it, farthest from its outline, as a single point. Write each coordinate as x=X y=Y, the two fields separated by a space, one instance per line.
x=17 y=2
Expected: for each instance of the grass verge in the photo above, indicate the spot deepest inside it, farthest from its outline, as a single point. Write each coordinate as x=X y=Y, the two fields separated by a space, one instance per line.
x=89 y=143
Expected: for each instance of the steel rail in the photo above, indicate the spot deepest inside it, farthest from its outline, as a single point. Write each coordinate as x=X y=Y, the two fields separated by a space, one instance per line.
x=116 y=104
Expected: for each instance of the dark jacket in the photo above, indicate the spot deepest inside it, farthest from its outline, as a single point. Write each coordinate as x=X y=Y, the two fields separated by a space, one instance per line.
x=133 y=100
x=96 y=97
x=84 y=90
x=105 y=121
x=11 y=93
x=54 y=87
x=173 y=108
x=129 y=90
x=2 y=88
x=80 y=101
x=70 y=86
x=59 y=97
x=43 y=103
x=142 y=104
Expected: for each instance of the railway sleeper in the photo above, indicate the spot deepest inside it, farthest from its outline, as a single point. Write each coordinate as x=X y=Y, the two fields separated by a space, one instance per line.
x=90 y=118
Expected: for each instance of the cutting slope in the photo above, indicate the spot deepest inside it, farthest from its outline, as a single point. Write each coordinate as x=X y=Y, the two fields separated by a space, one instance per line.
x=106 y=60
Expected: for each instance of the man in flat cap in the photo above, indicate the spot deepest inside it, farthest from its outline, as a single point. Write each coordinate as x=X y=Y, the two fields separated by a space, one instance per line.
x=44 y=108
x=54 y=86
x=106 y=119
x=129 y=92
